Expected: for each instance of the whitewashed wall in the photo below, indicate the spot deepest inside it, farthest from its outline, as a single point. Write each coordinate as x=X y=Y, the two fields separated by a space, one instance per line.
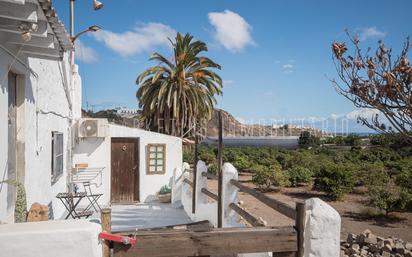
x=206 y=208
x=45 y=109
x=66 y=238
x=97 y=153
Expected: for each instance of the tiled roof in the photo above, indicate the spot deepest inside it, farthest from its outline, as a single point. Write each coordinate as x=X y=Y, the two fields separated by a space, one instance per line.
x=56 y=24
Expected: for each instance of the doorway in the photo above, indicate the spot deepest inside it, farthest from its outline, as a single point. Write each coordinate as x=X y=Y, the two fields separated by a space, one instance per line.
x=124 y=170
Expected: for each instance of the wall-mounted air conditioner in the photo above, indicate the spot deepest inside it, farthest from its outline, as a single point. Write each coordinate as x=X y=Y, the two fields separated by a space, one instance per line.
x=92 y=128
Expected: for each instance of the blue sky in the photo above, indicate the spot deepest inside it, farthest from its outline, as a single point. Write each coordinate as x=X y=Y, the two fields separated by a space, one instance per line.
x=275 y=55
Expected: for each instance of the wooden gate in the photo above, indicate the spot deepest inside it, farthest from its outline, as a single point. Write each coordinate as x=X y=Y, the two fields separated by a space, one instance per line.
x=124 y=170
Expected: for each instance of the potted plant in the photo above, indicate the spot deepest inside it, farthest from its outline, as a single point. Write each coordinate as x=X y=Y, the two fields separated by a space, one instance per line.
x=165 y=194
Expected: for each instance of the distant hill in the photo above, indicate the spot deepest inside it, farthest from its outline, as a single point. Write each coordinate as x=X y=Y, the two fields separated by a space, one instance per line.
x=231 y=126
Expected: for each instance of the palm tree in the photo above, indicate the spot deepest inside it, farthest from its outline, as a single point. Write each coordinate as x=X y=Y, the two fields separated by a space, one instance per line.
x=179 y=93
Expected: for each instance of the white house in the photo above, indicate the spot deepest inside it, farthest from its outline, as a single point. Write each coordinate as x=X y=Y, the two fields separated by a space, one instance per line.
x=37 y=104
x=130 y=165
x=40 y=123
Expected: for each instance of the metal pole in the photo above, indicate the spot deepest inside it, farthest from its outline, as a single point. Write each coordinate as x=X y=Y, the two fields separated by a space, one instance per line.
x=72 y=33
x=219 y=170
x=195 y=174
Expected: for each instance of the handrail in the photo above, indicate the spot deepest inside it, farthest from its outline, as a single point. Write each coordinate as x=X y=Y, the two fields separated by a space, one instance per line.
x=188 y=182
x=216 y=242
x=277 y=205
x=209 y=193
x=246 y=215
x=209 y=175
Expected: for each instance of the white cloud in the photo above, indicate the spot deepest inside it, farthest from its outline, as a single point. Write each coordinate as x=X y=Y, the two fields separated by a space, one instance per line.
x=231 y=30
x=84 y=53
x=287 y=66
x=370 y=32
x=144 y=37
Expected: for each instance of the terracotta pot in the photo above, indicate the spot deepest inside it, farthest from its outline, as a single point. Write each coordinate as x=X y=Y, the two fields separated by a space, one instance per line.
x=165 y=198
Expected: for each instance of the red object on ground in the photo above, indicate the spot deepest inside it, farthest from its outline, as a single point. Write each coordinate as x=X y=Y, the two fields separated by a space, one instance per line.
x=117 y=238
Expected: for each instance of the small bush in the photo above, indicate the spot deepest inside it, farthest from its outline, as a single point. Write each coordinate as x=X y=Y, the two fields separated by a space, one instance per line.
x=212 y=168
x=307 y=139
x=165 y=190
x=299 y=175
x=335 y=180
x=266 y=176
x=387 y=197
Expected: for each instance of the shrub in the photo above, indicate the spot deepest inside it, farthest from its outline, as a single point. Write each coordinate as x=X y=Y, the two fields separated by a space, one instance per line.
x=165 y=190
x=212 y=168
x=266 y=176
x=299 y=175
x=353 y=140
x=336 y=180
x=188 y=156
x=307 y=139
x=207 y=157
x=387 y=197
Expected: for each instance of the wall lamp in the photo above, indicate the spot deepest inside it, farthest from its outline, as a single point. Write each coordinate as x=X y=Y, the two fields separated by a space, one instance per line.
x=93 y=28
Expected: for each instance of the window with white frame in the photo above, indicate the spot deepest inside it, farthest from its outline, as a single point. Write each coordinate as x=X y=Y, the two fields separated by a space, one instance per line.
x=57 y=156
x=156 y=157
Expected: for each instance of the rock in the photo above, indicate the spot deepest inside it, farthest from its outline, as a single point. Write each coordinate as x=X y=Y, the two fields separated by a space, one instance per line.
x=387 y=248
x=408 y=254
x=364 y=252
x=351 y=238
x=371 y=239
x=389 y=241
x=379 y=239
x=374 y=249
x=399 y=248
x=408 y=246
x=386 y=254
x=38 y=212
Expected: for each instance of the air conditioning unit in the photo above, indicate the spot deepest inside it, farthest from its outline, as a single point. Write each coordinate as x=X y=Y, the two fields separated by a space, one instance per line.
x=92 y=128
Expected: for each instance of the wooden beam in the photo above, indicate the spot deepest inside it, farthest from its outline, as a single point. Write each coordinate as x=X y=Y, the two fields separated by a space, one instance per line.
x=12 y=26
x=215 y=242
x=209 y=175
x=20 y=2
x=277 y=205
x=210 y=194
x=246 y=215
x=18 y=12
x=220 y=172
x=42 y=52
x=300 y=226
x=197 y=226
x=188 y=182
x=106 y=218
x=47 y=42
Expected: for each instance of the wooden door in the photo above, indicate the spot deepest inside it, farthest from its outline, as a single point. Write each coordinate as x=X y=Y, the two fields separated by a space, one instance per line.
x=124 y=170
x=12 y=117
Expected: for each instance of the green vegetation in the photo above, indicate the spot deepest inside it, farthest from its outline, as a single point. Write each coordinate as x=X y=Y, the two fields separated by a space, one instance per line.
x=384 y=169
x=178 y=93
x=266 y=176
x=299 y=175
x=165 y=190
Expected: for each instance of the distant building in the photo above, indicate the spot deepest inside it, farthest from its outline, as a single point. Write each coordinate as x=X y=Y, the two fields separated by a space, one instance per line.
x=125 y=110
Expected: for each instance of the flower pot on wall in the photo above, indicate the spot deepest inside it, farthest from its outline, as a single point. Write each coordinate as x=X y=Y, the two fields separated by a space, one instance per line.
x=165 y=198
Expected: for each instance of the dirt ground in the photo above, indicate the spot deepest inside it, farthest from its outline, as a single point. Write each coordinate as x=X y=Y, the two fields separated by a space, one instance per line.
x=352 y=208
